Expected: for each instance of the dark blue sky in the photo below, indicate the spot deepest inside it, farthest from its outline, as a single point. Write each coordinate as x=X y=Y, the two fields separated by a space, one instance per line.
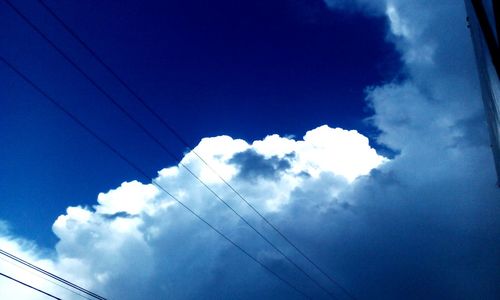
x=242 y=68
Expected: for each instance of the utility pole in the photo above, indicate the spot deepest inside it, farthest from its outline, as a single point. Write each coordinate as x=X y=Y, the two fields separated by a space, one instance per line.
x=483 y=22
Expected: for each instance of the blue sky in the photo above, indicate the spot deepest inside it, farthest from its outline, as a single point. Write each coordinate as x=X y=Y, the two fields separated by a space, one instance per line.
x=356 y=127
x=246 y=70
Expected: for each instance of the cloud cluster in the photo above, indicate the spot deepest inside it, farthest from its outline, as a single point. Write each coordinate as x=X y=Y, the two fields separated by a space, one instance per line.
x=423 y=225
x=137 y=237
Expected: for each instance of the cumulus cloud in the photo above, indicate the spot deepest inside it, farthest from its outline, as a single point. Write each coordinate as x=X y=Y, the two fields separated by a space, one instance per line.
x=136 y=236
x=423 y=225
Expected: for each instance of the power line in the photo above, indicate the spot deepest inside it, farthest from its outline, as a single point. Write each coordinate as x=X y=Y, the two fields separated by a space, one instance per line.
x=44 y=278
x=60 y=279
x=162 y=146
x=176 y=134
x=30 y=286
x=143 y=173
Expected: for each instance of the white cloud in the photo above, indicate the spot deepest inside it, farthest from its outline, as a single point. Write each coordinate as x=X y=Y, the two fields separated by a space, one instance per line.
x=121 y=233
x=131 y=198
x=423 y=225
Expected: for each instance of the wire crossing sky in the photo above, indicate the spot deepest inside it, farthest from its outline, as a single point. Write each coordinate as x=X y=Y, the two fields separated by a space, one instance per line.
x=190 y=148
x=153 y=159
x=61 y=280
x=141 y=172
x=29 y=286
x=342 y=138
x=148 y=133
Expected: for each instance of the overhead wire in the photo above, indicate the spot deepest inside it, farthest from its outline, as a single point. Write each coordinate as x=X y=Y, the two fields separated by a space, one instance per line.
x=143 y=173
x=28 y=285
x=183 y=141
x=115 y=103
x=47 y=273
x=44 y=278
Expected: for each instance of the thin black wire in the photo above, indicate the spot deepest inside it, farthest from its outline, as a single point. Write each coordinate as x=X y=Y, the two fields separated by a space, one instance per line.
x=30 y=286
x=162 y=146
x=60 y=279
x=44 y=278
x=184 y=142
x=142 y=172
